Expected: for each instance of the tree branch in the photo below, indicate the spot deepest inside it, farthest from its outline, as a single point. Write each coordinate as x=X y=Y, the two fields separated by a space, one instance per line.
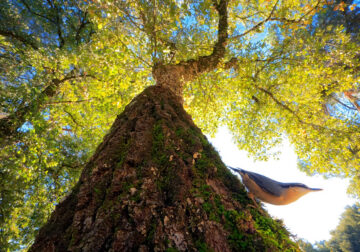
x=56 y=22
x=343 y=104
x=271 y=95
x=72 y=118
x=35 y=13
x=58 y=26
x=174 y=76
x=297 y=20
x=258 y=24
x=83 y=23
x=68 y=102
x=287 y=108
x=352 y=99
x=9 y=125
x=19 y=38
x=281 y=104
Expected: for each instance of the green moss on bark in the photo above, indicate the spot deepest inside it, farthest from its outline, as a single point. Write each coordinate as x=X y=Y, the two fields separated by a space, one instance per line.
x=156 y=183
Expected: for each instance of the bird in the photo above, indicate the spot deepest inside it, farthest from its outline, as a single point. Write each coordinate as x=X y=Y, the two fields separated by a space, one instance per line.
x=271 y=191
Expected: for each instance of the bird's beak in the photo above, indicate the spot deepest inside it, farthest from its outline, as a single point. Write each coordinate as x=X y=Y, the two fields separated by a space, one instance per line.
x=315 y=189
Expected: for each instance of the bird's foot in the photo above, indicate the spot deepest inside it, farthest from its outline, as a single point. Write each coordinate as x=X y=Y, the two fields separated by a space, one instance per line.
x=255 y=205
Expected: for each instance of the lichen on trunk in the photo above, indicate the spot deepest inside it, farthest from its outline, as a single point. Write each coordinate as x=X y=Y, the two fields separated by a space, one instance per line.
x=157 y=184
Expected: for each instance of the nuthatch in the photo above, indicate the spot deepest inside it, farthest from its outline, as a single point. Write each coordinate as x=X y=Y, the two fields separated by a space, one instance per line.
x=271 y=191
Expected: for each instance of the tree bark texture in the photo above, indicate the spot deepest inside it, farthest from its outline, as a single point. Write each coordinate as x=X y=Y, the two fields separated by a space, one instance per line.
x=156 y=184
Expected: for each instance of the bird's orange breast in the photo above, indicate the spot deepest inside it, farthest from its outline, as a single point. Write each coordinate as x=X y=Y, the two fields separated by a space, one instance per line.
x=290 y=194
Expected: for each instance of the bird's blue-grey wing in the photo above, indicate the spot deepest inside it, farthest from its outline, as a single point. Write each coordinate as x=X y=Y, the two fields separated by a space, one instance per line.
x=267 y=184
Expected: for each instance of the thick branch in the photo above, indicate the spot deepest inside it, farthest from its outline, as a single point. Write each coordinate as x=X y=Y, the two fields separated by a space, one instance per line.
x=174 y=76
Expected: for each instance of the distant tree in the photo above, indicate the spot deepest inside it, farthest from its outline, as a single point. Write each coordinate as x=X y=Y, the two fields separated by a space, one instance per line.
x=317 y=247
x=306 y=246
x=345 y=238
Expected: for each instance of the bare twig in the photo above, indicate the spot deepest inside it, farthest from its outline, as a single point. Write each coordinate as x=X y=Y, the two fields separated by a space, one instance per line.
x=72 y=118
x=37 y=14
x=352 y=99
x=67 y=102
x=83 y=23
x=299 y=119
x=58 y=26
x=258 y=24
x=297 y=20
x=343 y=104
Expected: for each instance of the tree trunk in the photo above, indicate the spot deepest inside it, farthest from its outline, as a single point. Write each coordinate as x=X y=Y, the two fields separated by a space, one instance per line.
x=156 y=184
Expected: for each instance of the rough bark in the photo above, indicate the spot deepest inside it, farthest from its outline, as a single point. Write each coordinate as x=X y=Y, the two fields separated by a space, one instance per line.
x=156 y=184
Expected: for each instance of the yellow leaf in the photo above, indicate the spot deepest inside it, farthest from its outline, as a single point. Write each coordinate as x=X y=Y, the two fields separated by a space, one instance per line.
x=307 y=7
x=340 y=6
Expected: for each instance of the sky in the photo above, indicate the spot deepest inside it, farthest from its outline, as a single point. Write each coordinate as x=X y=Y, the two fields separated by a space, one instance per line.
x=314 y=215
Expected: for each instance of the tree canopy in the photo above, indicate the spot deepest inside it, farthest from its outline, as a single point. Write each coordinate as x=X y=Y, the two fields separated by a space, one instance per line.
x=278 y=69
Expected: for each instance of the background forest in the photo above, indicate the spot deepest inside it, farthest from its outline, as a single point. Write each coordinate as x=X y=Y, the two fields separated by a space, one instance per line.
x=346 y=237
x=68 y=68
